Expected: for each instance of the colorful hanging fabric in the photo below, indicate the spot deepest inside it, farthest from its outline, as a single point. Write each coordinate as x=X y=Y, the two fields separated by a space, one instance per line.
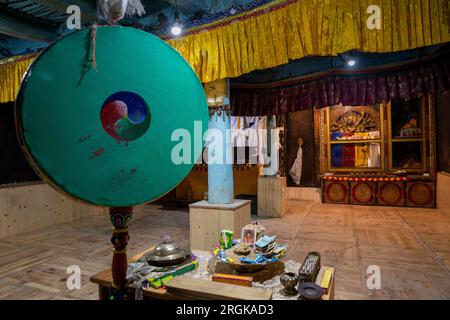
x=361 y=155
x=348 y=156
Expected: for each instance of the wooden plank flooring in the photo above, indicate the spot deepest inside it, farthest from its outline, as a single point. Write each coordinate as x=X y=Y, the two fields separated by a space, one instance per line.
x=411 y=246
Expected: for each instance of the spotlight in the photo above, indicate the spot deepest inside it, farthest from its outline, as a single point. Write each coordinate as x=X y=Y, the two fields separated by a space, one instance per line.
x=351 y=62
x=176 y=29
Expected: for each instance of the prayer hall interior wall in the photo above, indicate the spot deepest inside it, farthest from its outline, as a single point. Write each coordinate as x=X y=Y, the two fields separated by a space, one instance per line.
x=443 y=192
x=26 y=203
x=245 y=183
x=14 y=168
x=34 y=206
x=443 y=130
x=443 y=150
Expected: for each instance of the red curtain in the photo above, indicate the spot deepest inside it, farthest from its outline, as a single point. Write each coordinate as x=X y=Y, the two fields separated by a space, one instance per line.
x=366 y=87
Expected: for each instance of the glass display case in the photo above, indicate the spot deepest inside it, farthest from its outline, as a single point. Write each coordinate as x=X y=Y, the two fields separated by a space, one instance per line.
x=407 y=135
x=385 y=138
x=379 y=155
x=355 y=136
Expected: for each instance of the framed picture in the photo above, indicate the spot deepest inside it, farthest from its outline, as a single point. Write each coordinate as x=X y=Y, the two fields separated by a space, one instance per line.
x=249 y=236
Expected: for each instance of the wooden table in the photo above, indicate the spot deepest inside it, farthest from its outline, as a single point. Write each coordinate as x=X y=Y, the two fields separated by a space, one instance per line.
x=185 y=288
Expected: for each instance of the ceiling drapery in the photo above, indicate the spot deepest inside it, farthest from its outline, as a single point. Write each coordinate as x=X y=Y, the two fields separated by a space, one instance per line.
x=404 y=81
x=12 y=71
x=275 y=33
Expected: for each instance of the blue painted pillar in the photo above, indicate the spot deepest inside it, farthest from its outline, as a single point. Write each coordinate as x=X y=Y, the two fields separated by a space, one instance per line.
x=220 y=171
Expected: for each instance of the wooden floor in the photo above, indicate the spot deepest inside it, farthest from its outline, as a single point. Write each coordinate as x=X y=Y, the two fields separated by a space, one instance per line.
x=411 y=247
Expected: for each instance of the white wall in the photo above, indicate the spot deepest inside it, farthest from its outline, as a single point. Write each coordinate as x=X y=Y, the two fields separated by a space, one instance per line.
x=443 y=192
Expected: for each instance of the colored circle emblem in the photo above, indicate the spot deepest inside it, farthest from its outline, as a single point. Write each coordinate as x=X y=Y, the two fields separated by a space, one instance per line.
x=125 y=116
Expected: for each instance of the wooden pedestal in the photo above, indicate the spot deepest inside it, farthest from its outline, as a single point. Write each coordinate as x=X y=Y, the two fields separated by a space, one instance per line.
x=206 y=220
x=271 y=197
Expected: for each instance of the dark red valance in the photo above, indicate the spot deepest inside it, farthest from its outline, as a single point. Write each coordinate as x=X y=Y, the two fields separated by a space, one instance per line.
x=367 y=87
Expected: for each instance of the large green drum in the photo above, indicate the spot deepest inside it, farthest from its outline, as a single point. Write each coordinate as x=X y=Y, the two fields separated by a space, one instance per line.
x=104 y=134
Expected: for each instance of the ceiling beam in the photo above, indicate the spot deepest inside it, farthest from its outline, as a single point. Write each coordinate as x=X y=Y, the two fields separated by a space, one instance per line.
x=24 y=29
x=88 y=9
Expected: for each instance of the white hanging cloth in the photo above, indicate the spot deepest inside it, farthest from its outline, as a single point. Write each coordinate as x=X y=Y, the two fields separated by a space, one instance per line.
x=296 y=170
x=262 y=139
x=273 y=160
x=374 y=155
x=251 y=132
x=237 y=132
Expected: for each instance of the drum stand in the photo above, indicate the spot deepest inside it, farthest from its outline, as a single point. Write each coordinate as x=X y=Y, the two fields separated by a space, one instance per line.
x=120 y=217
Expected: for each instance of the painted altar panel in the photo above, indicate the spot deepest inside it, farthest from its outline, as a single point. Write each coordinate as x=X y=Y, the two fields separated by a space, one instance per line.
x=363 y=193
x=421 y=194
x=391 y=194
x=335 y=192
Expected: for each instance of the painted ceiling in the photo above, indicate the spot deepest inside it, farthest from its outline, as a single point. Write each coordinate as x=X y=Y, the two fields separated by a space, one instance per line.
x=26 y=25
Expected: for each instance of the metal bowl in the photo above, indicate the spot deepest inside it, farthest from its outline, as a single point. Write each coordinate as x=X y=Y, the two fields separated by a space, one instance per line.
x=167 y=254
x=289 y=280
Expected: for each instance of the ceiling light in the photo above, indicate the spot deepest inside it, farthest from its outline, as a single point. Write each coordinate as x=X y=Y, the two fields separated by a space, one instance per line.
x=176 y=29
x=351 y=62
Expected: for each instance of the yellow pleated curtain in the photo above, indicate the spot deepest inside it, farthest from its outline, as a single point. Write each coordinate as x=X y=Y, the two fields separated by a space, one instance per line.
x=11 y=72
x=273 y=34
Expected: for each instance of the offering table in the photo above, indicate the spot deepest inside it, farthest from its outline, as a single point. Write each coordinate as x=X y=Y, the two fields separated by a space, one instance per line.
x=189 y=288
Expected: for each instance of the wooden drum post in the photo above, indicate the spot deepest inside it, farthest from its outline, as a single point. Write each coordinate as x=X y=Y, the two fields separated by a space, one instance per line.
x=120 y=217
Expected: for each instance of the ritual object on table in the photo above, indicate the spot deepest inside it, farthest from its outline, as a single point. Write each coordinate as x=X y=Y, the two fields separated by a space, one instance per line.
x=326 y=280
x=168 y=253
x=310 y=268
x=251 y=233
x=226 y=239
x=233 y=279
x=310 y=291
x=120 y=97
x=242 y=249
x=289 y=280
x=158 y=282
x=267 y=247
